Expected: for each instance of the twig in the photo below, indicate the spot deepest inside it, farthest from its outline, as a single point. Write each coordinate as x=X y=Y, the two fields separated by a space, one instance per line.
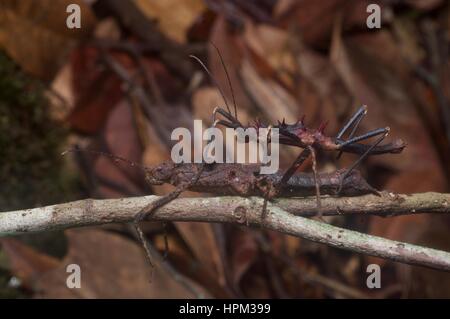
x=173 y=54
x=241 y=210
x=137 y=92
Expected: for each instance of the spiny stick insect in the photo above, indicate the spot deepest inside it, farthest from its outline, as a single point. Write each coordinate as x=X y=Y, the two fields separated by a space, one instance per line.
x=310 y=140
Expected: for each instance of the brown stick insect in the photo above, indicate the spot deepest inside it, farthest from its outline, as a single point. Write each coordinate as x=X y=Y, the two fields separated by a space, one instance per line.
x=236 y=180
x=245 y=180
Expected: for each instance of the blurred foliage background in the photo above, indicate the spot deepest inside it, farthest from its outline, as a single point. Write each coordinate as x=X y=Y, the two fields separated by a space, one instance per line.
x=124 y=80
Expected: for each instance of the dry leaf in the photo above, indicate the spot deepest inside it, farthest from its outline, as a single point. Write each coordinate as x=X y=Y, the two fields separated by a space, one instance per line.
x=327 y=98
x=62 y=96
x=122 y=140
x=274 y=101
x=271 y=44
x=111 y=267
x=174 y=17
x=305 y=16
x=406 y=32
x=25 y=262
x=202 y=241
x=231 y=49
x=97 y=90
x=376 y=78
x=244 y=252
x=375 y=82
x=35 y=33
x=425 y=4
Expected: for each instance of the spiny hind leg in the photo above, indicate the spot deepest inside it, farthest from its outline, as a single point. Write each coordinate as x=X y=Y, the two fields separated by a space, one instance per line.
x=361 y=158
x=293 y=168
x=373 y=133
x=316 y=181
x=301 y=158
x=354 y=121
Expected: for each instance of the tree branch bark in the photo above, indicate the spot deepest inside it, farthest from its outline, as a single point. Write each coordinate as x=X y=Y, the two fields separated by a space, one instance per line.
x=284 y=215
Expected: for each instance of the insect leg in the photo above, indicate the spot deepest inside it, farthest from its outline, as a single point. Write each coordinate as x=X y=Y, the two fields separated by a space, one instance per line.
x=144 y=243
x=394 y=147
x=356 y=118
x=267 y=194
x=166 y=241
x=153 y=206
x=148 y=210
x=365 y=136
x=299 y=161
x=361 y=158
x=316 y=182
x=291 y=170
x=264 y=208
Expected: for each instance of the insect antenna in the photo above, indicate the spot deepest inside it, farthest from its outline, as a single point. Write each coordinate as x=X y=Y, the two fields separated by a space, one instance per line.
x=212 y=79
x=116 y=158
x=205 y=68
x=228 y=78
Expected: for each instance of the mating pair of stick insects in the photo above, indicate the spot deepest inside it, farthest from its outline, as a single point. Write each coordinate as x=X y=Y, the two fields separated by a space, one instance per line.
x=245 y=180
x=309 y=140
x=239 y=179
x=296 y=134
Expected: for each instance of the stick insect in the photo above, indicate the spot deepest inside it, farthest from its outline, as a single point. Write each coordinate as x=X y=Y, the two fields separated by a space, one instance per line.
x=245 y=180
x=310 y=140
x=235 y=180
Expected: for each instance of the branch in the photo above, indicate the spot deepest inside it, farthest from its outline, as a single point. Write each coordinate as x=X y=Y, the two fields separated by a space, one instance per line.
x=240 y=210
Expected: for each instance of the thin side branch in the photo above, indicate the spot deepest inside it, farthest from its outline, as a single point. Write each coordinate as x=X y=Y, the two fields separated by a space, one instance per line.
x=243 y=211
